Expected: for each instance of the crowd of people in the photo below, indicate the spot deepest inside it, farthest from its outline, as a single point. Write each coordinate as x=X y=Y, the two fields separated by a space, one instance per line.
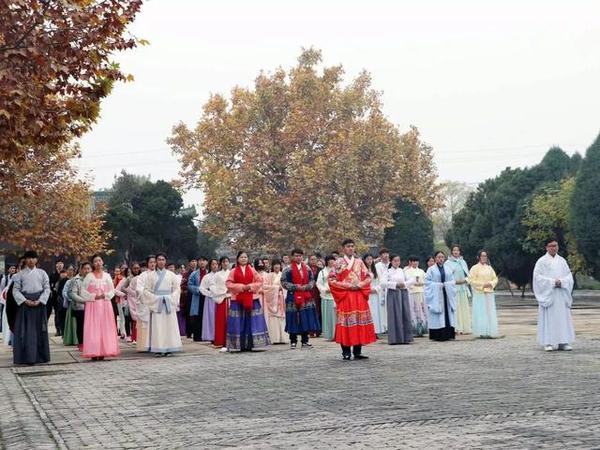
x=245 y=305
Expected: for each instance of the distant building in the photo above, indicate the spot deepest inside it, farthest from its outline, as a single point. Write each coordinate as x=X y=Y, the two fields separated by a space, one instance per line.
x=99 y=198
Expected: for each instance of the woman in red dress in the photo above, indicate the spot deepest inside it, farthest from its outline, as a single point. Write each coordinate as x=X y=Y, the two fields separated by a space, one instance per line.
x=350 y=285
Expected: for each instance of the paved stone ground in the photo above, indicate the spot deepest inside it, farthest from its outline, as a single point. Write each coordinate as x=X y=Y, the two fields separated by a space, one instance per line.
x=503 y=393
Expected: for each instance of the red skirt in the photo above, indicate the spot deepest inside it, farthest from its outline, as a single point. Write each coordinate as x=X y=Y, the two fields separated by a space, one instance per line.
x=354 y=322
x=221 y=324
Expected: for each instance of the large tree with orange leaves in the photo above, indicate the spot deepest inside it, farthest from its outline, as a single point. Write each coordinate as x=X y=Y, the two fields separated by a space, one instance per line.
x=55 y=68
x=302 y=159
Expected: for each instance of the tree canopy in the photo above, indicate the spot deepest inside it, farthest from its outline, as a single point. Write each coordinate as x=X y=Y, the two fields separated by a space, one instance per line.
x=492 y=218
x=585 y=208
x=412 y=232
x=145 y=217
x=302 y=159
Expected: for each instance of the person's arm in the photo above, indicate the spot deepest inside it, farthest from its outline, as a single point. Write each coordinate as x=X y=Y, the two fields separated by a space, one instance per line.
x=285 y=284
x=110 y=292
x=175 y=291
x=120 y=290
x=17 y=291
x=232 y=286
x=474 y=280
x=257 y=282
x=205 y=284
x=367 y=276
x=193 y=285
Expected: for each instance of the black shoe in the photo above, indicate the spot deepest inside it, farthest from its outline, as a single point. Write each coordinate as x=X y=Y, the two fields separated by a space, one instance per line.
x=346 y=357
x=360 y=357
x=293 y=346
x=306 y=346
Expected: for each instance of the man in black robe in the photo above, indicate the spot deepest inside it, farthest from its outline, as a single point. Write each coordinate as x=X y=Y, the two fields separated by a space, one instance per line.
x=31 y=290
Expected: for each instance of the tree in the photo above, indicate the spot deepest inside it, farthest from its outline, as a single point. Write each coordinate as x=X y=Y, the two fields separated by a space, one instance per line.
x=146 y=217
x=52 y=212
x=585 y=208
x=412 y=232
x=454 y=195
x=492 y=218
x=55 y=67
x=302 y=160
x=548 y=215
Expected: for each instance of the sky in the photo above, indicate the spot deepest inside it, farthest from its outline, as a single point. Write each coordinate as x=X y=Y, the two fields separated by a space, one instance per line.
x=489 y=84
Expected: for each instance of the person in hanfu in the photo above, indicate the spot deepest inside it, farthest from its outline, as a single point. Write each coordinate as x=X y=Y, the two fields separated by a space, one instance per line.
x=54 y=302
x=350 y=285
x=301 y=317
x=274 y=303
x=31 y=291
x=460 y=272
x=246 y=326
x=184 y=299
x=70 y=331
x=196 y=306
x=222 y=298
x=77 y=302
x=313 y=265
x=161 y=294
x=382 y=267
x=440 y=296
x=207 y=286
x=483 y=281
x=127 y=290
x=377 y=313
x=99 y=327
x=400 y=324
x=327 y=303
x=142 y=309
x=553 y=286
x=418 y=308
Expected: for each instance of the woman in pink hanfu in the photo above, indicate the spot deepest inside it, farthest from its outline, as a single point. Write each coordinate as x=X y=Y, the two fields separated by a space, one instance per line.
x=99 y=330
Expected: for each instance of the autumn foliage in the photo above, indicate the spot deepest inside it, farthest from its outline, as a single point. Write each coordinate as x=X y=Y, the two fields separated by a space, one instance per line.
x=302 y=159
x=55 y=67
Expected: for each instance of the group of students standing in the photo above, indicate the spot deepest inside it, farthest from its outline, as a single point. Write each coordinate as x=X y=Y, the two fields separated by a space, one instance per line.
x=247 y=307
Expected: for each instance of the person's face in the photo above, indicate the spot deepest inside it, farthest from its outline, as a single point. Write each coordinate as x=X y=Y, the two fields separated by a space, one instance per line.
x=135 y=269
x=312 y=260
x=385 y=256
x=161 y=262
x=320 y=264
x=117 y=271
x=552 y=248
x=242 y=259
x=331 y=263
x=430 y=262
x=59 y=266
x=98 y=263
x=85 y=270
x=455 y=252
x=349 y=249
x=440 y=258
x=297 y=258
x=225 y=264
x=266 y=263
x=396 y=262
x=70 y=272
x=12 y=270
x=214 y=266
x=171 y=268
x=483 y=259
x=193 y=265
x=151 y=264
x=203 y=263
x=286 y=259
x=62 y=275
x=277 y=268
x=369 y=261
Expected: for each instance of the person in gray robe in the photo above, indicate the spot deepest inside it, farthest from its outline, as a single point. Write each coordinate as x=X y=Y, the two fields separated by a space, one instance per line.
x=399 y=320
x=31 y=290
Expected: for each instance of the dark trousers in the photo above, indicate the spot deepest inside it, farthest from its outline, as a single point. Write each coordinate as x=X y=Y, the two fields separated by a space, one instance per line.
x=79 y=318
x=127 y=325
x=347 y=350
x=294 y=338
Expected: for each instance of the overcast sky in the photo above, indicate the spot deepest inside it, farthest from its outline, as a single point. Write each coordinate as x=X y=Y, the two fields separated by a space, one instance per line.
x=490 y=84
